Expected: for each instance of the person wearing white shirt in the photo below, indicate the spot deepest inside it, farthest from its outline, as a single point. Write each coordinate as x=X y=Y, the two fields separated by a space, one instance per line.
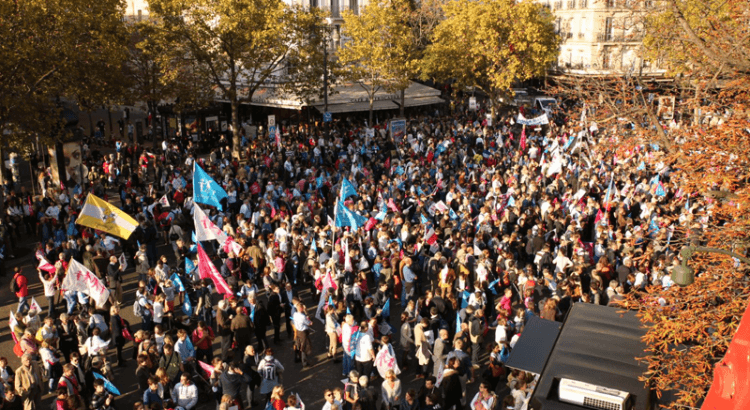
x=97 y=320
x=365 y=354
x=185 y=394
x=49 y=291
x=302 y=325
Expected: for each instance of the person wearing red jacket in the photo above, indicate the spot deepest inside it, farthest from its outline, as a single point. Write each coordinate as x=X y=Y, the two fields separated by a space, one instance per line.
x=21 y=288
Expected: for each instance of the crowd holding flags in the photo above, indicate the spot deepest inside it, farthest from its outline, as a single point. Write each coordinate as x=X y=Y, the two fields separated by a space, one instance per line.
x=101 y=215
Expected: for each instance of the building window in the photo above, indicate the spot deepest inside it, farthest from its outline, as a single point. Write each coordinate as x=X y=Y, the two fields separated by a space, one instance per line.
x=354 y=6
x=335 y=8
x=611 y=4
x=609 y=29
x=583 y=4
x=313 y=4
x=571 y=4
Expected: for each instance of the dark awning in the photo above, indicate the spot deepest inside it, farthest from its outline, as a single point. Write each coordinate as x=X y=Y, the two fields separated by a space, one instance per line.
x=534 y=346
x=597 y=345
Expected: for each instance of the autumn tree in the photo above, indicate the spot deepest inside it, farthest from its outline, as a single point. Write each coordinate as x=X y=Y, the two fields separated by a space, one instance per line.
x=378 y=53
x=239 y=45
x=489 y=45
x=704 y=47
x=56 y=49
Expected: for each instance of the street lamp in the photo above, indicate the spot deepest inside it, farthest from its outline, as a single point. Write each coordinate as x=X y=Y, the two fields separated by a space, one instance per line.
x=326 y=36
x=684 y=275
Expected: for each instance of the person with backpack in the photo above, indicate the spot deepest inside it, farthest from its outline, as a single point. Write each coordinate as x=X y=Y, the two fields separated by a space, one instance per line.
x=270 y=371
x=142 y=309
x=20 y=286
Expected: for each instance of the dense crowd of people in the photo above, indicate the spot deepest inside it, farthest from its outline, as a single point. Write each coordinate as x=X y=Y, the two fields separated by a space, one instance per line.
x=468 y=228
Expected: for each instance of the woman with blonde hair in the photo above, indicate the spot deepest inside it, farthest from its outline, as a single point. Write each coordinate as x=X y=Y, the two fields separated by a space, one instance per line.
x=227 y=402
x=391 y=390
x=276 y=397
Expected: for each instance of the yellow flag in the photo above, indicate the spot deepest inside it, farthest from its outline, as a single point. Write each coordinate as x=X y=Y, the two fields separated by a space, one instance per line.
x=100 y=214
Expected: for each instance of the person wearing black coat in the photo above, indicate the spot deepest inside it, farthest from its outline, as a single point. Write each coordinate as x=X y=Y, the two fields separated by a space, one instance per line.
x=287 y=297
x=116 y=327
x=452 y=385
x=68 y=336
x=260 y=322
x=275 y=307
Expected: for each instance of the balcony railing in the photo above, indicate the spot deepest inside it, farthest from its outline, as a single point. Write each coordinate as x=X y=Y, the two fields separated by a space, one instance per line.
x=612 y=38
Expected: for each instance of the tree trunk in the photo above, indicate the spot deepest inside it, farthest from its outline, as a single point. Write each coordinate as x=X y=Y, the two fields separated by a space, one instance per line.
x=372 y=101
x=235 y=129
x=403 y=101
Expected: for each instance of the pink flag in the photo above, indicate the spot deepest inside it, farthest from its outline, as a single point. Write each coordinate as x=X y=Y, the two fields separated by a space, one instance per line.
x=392 y=205
x=430 y=237
x=523 y=139
x=599 y=217
x=207 y=269
x=206 y=368
x=273 y=211
x=46 y=266
x=328 y=281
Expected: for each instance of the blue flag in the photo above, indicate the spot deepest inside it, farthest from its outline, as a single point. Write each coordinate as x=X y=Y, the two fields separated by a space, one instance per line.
x=464 y=299
x=348 y=312
x=511 y=201
x=653 y=226
x=440 y=149
x=423 y=219
x=458 y=323
x=190 y=348
x=347 y=189
x=206 y=190
x=314 y=246
x=452 y=214
x=381 y=215
x=569 y=143
x=345 y=217
x=660 y=190
x=189 y=265
x=193 y=237
x=187 y=307
x=492 y=286
x=386 y=312
x=330 y=300
x=319 y=182
x=107 y=385
x=354 y=342
x=177 y=281
x=419 y=190
x=641 y=167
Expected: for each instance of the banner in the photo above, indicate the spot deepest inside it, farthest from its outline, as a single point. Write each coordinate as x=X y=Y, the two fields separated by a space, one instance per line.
x=540 y=120
x=46 y=266
x=80 y=279
x=206 y=269
x=386 y=360
x=398 y=130
x=205 y=230
x=100 y=214
x=123 y=261
x=207 y=191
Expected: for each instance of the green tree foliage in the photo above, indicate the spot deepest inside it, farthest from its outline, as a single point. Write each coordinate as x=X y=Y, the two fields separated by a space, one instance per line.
x=378 y=54
x=238 y=45
x=54 y=49
x=489 y=45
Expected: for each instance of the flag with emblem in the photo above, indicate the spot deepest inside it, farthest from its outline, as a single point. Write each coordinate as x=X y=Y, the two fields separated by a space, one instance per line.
x=207 y=269
x=207 y=191
x=164 y=201
x=101 y=215
x=205 y=230
x=347 y=189
x=46 y=266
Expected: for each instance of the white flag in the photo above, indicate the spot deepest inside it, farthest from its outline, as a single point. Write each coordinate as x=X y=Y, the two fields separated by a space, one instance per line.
x=386 y=360
x=164 y=201
x=555 y=167
x=83 y=280
x=205 y=230
x=300 y=404
x=35 y=305
x=123 y=261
